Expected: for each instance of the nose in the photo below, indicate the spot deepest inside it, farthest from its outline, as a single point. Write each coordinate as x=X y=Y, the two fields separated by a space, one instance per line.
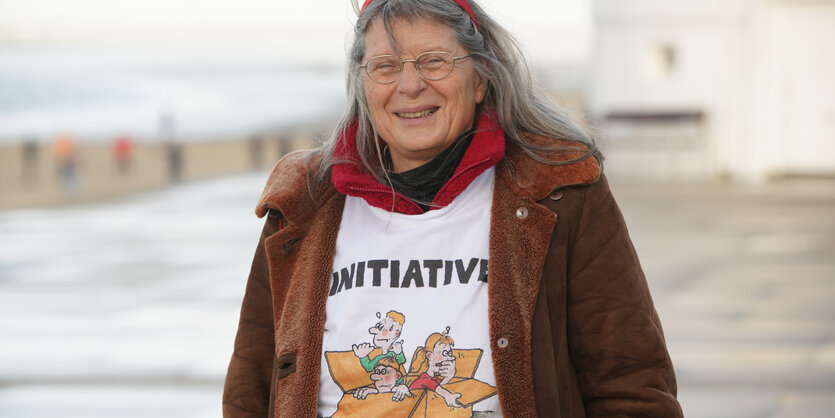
x=410 y=82
x=373 y=330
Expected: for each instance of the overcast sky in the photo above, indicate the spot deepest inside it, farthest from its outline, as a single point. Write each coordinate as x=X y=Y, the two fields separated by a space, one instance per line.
x=561 y=26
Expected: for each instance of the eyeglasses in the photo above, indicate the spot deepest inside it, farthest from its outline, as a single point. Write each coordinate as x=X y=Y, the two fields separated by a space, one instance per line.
x=432 y=65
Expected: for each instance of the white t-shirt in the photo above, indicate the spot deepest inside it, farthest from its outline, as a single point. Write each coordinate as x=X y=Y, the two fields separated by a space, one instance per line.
x=401 y=282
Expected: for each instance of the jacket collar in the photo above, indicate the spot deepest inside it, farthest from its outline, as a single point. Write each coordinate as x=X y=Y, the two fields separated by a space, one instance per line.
x=575 y=165
x=348 y=176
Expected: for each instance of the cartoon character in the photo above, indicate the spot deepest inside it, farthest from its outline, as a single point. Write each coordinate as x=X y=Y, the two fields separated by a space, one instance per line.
x=437 y=367
x=387 y=377
x=385 y=334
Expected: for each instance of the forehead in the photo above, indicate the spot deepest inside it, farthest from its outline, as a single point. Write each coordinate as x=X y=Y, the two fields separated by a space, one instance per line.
x=390 y=321
x=409 y=37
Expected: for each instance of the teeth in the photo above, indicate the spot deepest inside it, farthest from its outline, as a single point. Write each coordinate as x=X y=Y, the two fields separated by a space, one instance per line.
x=417 y=114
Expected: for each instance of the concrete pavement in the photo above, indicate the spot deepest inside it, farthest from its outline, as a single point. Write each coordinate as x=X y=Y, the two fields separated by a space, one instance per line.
x=744 y=281
x=129 y=308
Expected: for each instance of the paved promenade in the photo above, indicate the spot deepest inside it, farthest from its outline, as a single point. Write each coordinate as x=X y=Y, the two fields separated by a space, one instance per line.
x=129 y=308
x=744 y=281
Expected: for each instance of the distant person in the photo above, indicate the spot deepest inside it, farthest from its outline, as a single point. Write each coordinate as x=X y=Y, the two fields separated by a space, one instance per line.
x=449 y=158
x=123 y=153
x=175 y=161
x=65 y=149
x=29 y=168
x=256 y=151
x=281 y=146
x=173 y=150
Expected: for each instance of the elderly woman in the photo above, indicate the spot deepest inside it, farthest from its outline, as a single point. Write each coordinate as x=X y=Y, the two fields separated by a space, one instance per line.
x=454 y=194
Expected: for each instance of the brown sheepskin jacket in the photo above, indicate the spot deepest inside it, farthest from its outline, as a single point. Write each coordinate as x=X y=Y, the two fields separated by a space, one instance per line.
x=573 y=328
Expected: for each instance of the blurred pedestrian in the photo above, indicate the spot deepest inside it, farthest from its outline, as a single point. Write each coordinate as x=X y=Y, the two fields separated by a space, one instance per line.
x=173 y=150
x=281 y=145
x=65 y=150
x=30 y=160
x=123 y=153
x=256 y=151
x=175 y=161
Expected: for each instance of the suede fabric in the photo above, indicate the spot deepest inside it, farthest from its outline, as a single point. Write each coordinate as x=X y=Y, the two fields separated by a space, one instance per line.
x=573 y=328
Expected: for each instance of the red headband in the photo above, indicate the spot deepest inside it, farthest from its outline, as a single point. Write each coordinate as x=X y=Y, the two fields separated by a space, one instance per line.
x=463 y=3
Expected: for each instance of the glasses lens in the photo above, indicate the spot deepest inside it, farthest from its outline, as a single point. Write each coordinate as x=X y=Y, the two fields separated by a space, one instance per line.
x=435 y=65
x=383 y=69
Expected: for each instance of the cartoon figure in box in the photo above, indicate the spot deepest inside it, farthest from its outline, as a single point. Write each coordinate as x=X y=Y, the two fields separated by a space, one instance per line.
x=387 y=378
x=385 y=334
x=436 y=367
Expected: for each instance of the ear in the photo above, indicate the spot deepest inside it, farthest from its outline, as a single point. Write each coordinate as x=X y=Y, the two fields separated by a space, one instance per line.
x=480 y=88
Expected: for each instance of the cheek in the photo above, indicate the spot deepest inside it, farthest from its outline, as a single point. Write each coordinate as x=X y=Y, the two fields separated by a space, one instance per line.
x=376 y=98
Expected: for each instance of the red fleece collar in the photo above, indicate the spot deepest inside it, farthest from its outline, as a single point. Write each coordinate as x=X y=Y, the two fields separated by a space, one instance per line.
x=486 y=149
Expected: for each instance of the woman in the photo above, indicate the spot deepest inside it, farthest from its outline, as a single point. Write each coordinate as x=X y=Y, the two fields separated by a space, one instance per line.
x=448 y=172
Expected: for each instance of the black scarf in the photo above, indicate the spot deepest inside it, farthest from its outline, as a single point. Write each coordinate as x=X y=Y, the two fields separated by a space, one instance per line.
x=422 y=183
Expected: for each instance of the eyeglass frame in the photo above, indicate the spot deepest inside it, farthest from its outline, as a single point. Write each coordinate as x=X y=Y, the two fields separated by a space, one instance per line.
x=413 y=61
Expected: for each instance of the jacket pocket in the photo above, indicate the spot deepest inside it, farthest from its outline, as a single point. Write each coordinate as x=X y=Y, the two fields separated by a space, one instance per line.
x=285 y=365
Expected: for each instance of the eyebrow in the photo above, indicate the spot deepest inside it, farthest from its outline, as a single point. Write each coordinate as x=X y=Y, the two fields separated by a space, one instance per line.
x=400 y=54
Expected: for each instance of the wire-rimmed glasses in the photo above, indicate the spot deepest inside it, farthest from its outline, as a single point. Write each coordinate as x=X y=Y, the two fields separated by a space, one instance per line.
x=432 y=65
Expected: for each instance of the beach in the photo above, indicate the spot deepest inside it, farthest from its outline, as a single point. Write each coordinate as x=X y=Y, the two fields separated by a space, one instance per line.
x=39 y=180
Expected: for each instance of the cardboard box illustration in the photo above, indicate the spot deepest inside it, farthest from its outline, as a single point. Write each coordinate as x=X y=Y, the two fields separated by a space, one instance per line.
x=349 y=375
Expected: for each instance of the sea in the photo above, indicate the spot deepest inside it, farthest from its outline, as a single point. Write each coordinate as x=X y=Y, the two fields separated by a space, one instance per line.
x=95 y=92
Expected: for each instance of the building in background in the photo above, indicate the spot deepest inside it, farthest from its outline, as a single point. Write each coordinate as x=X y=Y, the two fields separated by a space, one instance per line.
x=743 y=89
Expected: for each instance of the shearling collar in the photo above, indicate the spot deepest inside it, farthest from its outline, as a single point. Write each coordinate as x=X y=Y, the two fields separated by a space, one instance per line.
x=530 y=178
x=290 y=188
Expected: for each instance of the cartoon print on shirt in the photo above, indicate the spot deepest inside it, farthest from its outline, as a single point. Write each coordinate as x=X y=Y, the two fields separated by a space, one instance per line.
x=436 y=367
x=440 y=380
x=385 y=335
x=387 y=378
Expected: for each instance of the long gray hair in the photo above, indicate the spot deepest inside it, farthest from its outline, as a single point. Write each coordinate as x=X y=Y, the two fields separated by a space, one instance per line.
x=511 y=92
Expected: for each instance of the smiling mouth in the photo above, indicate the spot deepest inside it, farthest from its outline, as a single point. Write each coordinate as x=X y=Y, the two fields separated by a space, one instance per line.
x=415 y=115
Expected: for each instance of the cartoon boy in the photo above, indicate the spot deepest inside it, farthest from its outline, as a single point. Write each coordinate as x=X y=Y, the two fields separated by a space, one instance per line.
x=385 y=335
x=437 y=367
x=387 y=378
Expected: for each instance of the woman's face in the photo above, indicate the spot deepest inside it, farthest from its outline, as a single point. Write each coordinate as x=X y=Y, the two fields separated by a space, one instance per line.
x=419 y=118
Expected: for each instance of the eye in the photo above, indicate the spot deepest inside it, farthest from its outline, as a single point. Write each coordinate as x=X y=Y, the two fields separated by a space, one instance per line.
x=384 y=64
x=432 y=61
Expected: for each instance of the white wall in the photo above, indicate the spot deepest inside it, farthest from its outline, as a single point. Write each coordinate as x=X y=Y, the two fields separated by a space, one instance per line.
x=759 y=69
x=807 y=84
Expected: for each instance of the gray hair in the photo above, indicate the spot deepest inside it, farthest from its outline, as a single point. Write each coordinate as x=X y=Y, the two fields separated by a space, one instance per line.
x=521 y=106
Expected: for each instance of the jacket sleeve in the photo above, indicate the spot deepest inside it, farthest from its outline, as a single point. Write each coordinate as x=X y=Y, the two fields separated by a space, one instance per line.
x=614 y=333
x=246 y=392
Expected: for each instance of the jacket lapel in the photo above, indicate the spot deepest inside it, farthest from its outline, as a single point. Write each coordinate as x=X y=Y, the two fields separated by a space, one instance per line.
x=520 y=230
x=302 y=251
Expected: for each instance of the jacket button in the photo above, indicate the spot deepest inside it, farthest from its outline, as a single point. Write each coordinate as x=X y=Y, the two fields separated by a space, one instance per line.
x=556 y=195
x=502 y=342
x=522 y=212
